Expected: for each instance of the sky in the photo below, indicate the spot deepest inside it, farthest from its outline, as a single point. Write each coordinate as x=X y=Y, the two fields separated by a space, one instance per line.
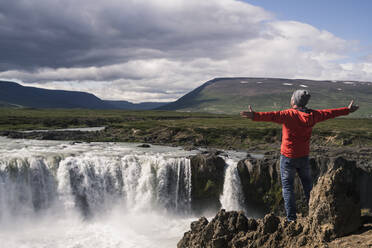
x=344 y=18
x=158 y=50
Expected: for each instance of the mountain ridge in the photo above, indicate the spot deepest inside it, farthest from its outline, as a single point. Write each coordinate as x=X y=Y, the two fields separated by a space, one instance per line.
x=16 y=95
x=27 y=96
x=231 y=95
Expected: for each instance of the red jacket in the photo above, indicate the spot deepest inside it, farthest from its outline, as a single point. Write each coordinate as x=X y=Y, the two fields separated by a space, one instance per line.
x=297 y=127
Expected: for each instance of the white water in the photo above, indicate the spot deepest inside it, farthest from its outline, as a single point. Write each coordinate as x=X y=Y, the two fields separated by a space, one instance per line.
x=232 y=197
x=56 y=194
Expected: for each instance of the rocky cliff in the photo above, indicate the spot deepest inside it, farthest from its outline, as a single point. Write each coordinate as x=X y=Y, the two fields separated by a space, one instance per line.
x=334 y=212
x=262 y=186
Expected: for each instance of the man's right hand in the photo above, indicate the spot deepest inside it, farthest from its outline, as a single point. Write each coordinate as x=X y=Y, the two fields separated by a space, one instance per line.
x=247 y=114
x=352 y=108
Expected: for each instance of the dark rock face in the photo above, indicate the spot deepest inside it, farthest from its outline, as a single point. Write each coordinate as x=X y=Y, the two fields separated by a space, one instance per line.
x=207 y=175
x=261 y=182
x=334 y=212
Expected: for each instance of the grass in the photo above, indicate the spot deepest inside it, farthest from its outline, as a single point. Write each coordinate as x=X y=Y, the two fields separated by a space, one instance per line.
x=170 y=127
x=22 y=119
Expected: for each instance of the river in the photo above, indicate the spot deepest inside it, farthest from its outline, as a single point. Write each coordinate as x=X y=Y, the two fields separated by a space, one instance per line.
x=77 y=195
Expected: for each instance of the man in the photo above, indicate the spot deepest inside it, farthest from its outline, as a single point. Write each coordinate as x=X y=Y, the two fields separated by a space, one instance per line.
x=297 y=123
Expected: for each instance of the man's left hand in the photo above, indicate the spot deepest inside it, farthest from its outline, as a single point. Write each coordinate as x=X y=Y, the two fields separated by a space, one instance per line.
x=247 y=114
x=352 y=107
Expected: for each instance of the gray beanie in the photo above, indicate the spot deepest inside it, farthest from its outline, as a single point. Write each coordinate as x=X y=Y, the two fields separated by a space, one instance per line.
x=301 y=97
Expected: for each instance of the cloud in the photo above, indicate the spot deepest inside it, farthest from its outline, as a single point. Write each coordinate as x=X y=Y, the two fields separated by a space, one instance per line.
x=159 y=50
x=51 y=33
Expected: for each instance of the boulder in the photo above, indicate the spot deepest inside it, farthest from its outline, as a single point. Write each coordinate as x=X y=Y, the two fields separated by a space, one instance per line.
x=334 y=203
x=217 y=233
x=144 y=146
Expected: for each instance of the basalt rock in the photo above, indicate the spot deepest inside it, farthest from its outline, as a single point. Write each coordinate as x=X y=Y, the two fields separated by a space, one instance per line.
x=260 y=183
x=207 y=175
x=334 y=212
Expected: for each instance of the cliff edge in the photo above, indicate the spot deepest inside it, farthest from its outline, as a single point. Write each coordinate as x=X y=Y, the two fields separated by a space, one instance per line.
x=334 y=220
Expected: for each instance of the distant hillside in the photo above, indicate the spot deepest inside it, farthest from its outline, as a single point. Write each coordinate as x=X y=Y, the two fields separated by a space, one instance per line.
x=231 y=95
x=136 y=106
x=15 y=95
x=8 y=105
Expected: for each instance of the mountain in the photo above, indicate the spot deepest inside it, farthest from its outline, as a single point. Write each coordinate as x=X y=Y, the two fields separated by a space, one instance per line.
x=15 y=95
x=232 y=95
x=136 y=106
x=220 y=95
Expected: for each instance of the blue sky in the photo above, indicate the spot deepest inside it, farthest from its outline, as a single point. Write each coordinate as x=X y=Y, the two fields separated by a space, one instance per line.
x=158 y=50
x=348 y=19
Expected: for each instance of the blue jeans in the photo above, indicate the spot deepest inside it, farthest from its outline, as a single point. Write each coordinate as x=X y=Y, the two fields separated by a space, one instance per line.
x=288 y=168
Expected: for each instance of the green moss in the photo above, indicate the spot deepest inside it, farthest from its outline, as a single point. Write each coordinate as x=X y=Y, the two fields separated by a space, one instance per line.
x=210 y=187
x=273 y=197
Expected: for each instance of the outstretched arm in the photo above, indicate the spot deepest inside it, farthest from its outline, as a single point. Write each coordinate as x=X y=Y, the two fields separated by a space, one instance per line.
x=325 y=114
x=276 y=116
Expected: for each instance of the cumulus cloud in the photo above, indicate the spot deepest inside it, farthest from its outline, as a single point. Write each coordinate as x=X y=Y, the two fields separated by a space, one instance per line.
x=158 y=50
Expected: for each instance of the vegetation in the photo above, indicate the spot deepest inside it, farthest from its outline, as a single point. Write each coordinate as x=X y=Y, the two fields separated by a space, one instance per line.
x=180 y=128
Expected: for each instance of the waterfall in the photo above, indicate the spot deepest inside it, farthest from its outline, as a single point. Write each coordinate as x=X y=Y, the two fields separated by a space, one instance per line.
x=26 y=185
x=55 y=193
x=232 y=197
x=94 y=184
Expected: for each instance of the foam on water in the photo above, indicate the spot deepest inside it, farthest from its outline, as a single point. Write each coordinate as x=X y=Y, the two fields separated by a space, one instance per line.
x=114 y=230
